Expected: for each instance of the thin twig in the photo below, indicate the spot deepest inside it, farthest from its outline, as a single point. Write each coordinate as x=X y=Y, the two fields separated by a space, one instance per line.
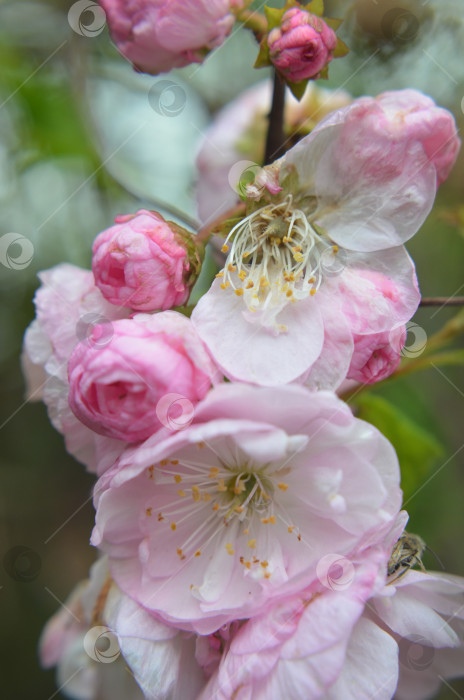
x=442 y=301
x=275 y=142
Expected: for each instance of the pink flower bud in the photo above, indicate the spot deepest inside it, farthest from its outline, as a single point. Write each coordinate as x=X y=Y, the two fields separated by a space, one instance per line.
x=143 y=262
x=157 y=35
x=116 y=389
x=302 y=46
x=376 y=355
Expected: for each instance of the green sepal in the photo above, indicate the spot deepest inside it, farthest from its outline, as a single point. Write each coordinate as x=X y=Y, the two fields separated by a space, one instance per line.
x=324 y=74
x=298 y=89
x=274 y=16
x=316 y=7
x=341 y=49
x=263 y=59
x=333 y=22
x=226 y=226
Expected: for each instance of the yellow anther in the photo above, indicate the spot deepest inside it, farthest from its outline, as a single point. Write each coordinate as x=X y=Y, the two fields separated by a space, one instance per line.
x=264 y=564
x=196 y=493
x=298 y=257
x=148 y=511
x=160 y=517
x=291 y=528
x=200 y=445
x=173 y=526
x=239 y=487
x=242 y=274
x=239 y=509
x=206 y=497
x=177 y=478
x=312 y=292
x=335 y=248
x=246 y=254
x=231 y=267
x=282 y=486
x=216 y=506
x=213 y=472
x=272 y=519
x=238 y=292
x=249 y=284
x=251 y=544
x=181 y=493
x=224 y=285
x=267 y=574
x=221 y=486
x=220 y=274
x=230 y=548
x=296 y=249
x=289 y=293
x=197 y=553
x=263 y=282
x=225 y=248
x=174 y=461
x=246 y=532
x=164 y=462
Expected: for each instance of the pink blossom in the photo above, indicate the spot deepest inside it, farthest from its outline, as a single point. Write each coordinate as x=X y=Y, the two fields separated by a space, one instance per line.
x=236 y=139
x=209 y=525
x=376 y=355
x=157 y=35
x=68 y=305
x=115 y=389
x=100 y=631
x=142 y=262
x=302 y=46
x=360 y=185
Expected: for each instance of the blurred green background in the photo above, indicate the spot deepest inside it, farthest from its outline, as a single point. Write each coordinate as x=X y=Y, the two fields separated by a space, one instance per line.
x=80 y=142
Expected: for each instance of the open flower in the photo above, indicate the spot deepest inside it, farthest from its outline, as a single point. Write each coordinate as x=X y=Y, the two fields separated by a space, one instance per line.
x=351 y=193
x=209 y=525
x=236 y=139
x=100 y=631
x=378 y=629
x=157 y=35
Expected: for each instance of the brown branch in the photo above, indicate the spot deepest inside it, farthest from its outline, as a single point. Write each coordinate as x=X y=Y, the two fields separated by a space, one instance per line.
x=275 y=142
x=442 y=301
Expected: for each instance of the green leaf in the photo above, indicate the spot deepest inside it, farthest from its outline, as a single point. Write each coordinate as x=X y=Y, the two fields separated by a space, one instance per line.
x=316 y=7
x=417 y=450
x=298 y=89
x=341 y=49
x=262 y=58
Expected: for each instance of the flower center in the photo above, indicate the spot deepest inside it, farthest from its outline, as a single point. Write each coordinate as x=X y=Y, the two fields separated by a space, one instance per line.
x=218 y=500
x=276 y=255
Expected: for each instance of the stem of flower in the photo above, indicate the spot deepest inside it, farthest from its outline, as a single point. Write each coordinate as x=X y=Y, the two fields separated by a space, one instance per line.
x=254 y=21
x=275 y=142
x=442 y=301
